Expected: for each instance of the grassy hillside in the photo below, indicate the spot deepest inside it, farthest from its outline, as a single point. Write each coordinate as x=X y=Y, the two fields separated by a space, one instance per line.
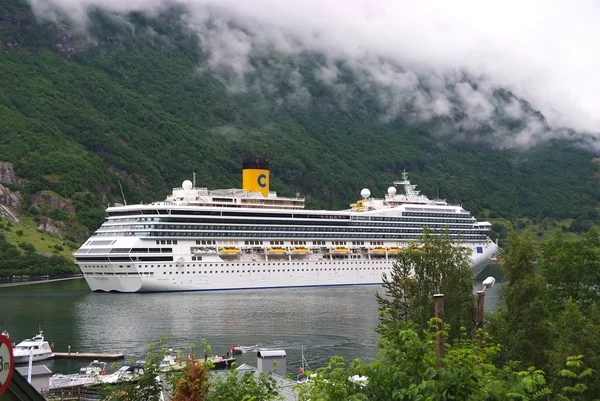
x=81 y=112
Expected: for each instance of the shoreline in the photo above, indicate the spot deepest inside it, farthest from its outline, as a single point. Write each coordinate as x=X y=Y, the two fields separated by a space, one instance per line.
x=51 y=280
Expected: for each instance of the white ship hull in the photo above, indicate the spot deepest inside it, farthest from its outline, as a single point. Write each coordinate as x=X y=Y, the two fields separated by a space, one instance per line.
x=200 y=240
x=219 y=274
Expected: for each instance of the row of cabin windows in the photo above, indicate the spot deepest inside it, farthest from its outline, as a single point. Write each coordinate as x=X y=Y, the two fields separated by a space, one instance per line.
x=299 y=242
x=250 y=264
x=393 y=236
x=291 y=216
x=276 y=242
x=338 y=242
x=279 y=270
x=166 y=242
x=283 y=226
x=283 y=230
x=356 y=222
x=253 y=242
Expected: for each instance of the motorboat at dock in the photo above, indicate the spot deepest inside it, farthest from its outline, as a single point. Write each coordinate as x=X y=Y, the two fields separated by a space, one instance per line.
x=87 y=376
x=37 y=348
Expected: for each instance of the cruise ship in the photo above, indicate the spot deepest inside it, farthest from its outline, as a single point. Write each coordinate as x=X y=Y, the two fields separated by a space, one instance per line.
x=225 y=239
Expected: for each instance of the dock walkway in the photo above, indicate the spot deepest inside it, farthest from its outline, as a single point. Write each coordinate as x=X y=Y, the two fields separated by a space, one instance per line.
x=88 y=355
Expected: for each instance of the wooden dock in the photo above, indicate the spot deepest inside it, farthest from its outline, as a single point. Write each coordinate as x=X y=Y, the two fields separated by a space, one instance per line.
x=89 y=355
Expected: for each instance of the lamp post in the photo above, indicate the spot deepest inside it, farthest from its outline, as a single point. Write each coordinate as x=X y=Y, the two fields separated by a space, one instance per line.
x=487 y=283
x=438 y=301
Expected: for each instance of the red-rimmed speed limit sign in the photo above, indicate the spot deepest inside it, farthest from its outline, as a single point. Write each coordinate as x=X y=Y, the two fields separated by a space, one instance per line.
x=7 y=363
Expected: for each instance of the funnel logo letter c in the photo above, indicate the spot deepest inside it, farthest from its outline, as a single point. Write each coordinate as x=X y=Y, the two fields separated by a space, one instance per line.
x=260 y=180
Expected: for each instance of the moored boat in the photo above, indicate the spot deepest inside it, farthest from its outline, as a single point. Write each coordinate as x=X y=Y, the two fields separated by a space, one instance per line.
x=36 y=348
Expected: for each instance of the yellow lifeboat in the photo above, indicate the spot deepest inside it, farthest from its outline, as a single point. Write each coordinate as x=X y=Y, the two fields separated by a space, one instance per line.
x=276 y=251
x=229 y=251
x=299 y=250
x=340 y=250
x=377 y=251
x=394 y=251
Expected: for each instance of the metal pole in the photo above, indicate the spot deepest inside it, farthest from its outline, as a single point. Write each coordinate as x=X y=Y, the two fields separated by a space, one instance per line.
x=30 y=367
x=479 y=309
x=438 y=301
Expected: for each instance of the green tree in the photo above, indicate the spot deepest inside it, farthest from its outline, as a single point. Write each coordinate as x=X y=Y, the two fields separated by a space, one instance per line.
x=149 y=386
x=406 y=368
x=243 y=386
x=576 y=334
x=521 y=324
x=572 y=269
x=430 y=266
x=192 y=383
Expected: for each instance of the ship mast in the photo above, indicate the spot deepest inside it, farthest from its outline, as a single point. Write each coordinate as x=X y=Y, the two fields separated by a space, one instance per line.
x=409 y=189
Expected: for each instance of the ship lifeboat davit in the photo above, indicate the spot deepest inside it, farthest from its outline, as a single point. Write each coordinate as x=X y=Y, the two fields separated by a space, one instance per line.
x=394 y=251
x=276 y=251
x=229 y=251
x=377 y=251
x=300 y=250
x=340 y=250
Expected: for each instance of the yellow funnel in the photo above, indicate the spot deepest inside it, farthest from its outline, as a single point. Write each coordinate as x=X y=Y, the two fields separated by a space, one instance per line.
x=255 y=175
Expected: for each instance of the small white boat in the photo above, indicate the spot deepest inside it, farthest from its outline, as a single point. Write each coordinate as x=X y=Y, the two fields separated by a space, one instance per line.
x=302 y=372
x=36 y=347
x=172 y=361
x=125 y=373
x=242 y=349
x=87 y=376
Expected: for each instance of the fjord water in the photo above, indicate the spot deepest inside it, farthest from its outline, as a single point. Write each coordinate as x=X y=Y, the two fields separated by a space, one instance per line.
x=326 y=321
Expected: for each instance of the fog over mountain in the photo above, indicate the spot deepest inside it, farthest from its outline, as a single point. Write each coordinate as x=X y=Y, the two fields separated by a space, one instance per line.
x=421 y=58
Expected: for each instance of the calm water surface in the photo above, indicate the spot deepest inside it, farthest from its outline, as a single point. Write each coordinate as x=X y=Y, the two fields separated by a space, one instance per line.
x=326 y=321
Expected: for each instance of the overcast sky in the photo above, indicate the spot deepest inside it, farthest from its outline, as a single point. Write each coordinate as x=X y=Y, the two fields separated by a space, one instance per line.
x=545 y=52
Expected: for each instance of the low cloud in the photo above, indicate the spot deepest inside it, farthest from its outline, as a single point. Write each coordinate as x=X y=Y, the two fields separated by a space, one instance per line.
x=422 y=59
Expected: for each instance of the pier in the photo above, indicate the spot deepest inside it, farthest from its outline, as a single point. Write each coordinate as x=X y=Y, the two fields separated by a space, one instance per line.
x=89 y=355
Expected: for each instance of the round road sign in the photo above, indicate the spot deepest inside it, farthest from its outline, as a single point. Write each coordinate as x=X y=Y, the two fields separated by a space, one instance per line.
x=7 y=363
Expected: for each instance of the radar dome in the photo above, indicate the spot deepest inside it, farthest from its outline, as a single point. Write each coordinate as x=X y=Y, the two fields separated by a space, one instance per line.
x=187 y=184
x=392 y=191
x=365 y=193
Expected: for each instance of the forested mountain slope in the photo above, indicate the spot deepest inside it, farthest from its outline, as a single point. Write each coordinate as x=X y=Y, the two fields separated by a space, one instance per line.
x=133 y=99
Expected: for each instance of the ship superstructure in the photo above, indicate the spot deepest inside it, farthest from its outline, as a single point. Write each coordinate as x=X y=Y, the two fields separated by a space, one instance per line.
x=201 y=239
